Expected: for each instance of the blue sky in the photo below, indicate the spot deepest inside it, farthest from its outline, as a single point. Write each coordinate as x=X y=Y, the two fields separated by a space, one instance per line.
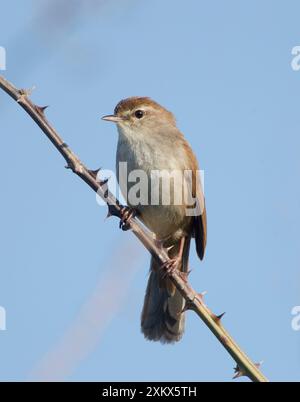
x=71 y=283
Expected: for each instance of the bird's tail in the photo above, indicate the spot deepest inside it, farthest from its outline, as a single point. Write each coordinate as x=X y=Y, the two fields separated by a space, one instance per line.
x=162 y=316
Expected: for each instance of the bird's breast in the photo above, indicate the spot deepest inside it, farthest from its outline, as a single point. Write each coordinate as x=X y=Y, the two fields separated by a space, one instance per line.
x=149 y=177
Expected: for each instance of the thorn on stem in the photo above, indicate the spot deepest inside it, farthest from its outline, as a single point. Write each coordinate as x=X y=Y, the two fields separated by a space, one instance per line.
x=103 y=182
x=187 y=306
x=259 y=364
x=75 y=166
x=184 y=275
x=25 y=92
x=70 y=164
x=238 y=372
x=218 y=318
x=94 y=173
x=112 y=211
x=41 y=109
x=201 y=295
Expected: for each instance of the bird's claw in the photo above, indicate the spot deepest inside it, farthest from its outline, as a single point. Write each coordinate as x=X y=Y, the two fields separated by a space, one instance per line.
x=126 y=214
x=170 y=266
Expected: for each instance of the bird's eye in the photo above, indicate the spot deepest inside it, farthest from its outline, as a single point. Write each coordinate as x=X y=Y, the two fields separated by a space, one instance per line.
x=139 y=114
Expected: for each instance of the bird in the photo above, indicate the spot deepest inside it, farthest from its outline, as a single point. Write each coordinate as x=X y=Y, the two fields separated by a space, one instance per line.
x=150 y=141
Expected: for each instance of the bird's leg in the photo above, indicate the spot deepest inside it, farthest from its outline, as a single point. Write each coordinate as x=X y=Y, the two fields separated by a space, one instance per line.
x=174 y=262
x=126 y=214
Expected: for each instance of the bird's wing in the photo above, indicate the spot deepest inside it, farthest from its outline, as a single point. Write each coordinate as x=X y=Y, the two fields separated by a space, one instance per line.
x=200 y=231
x=198 y=213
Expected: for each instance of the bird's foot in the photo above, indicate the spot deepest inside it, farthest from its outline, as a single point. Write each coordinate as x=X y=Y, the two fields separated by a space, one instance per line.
x=126 y=214
x=170 y=266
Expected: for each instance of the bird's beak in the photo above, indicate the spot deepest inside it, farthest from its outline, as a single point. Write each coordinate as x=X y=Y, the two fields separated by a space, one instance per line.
x=113 y=118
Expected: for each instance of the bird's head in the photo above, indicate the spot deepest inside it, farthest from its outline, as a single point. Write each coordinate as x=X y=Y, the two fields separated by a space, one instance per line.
x=140 y=115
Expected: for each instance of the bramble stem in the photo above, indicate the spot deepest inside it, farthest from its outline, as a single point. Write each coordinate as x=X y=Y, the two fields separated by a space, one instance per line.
x=194 y=301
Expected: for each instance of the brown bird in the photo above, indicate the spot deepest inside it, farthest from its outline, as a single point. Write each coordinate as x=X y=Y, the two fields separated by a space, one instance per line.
x=150 y=143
